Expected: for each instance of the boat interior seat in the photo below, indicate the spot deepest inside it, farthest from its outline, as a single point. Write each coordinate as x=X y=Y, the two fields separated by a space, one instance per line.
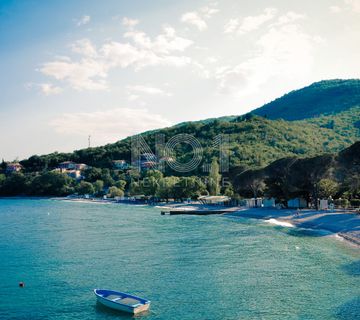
x=129 y=302
x=113 y=297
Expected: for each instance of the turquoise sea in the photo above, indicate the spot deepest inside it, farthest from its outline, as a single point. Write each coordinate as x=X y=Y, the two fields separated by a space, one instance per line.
x=190 y=267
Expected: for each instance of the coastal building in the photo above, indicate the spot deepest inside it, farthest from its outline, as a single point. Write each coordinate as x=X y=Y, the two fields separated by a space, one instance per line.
x=75 y=174
x=297 y=203
x=67 y=165
x=268 y=203
x=146 y=161
x=120 y=164
x=81 y=166
x=166 y=159
x=147 y=165
x=13 y=167
x=254 y=202
x=323 y=204
x=214 y=200
x=72 y=169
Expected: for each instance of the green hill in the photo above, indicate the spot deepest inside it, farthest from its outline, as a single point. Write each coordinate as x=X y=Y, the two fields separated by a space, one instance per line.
x=255 y=140
x=320 y=98
x=336 y=175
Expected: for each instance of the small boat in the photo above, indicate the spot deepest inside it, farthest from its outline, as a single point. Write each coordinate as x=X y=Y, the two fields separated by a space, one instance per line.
x=121 y=301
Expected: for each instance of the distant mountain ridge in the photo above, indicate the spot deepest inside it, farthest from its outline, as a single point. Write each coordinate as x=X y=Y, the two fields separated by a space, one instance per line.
x=320 y=98
x=329 y=112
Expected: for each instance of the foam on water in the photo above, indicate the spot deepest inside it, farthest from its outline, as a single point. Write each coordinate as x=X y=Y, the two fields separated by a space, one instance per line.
x=280 y=223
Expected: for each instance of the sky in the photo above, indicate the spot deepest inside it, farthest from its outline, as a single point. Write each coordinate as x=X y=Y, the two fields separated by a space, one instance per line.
x=113 y=68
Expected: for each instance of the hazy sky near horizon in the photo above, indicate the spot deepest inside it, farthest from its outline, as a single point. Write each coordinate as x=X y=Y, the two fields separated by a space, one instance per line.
x=114 y=68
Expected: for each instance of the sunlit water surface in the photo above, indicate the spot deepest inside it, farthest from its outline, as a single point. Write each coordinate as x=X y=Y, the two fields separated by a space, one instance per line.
x=190 y=267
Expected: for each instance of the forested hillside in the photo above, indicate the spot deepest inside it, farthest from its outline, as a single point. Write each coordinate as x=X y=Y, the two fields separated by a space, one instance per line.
x=320 y=98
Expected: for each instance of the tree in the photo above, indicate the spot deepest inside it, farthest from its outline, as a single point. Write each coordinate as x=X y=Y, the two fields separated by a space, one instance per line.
x=214 y=178
x=120 y=184
x=327 y=188
x=256 y=186
x=166 y=188
x=229 y=192
x=15 y=184
x=92 y=174
x=3 y=165
x=352 y=185
x=106 y=177
x=156 y=174
x=51 y=184
x=189 y=187
x=135 y=188
x=2 y=179
x=85 y=187
x=115 y=192
x=98 y=187
x=149 y=185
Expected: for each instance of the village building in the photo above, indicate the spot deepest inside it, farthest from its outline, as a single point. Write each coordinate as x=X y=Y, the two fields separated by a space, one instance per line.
x=13 y=167
x=120 y=164
x=72 y=169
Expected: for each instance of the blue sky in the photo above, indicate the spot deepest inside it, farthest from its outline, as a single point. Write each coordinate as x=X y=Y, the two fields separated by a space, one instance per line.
x=114 y=68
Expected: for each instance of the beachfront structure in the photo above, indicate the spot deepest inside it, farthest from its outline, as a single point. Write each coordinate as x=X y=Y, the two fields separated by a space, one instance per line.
x=323 y=204
x=120 y=164
x=269 y=203
x=297 y=203
x=13 y=167
x=253 y=202
x=214 y=200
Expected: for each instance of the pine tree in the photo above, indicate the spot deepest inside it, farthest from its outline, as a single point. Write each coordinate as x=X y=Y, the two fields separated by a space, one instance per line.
x=214 y=178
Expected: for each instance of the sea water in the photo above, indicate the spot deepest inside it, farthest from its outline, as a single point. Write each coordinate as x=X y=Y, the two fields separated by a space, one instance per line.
x=190 y=267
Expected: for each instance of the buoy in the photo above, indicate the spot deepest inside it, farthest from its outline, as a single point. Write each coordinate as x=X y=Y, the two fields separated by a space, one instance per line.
x=21 y=284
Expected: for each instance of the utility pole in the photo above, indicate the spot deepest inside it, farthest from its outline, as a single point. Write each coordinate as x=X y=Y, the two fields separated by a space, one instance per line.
x=89 y=141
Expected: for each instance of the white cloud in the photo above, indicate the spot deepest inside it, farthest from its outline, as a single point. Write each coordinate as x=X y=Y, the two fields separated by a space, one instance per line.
x=354 y=5
x=193 y=18
x=231 y=26
x=335 y=9
x=87 y=74
x=209 y=11
x=46 y=89
x=289 y=17
x=148 y=90
x=130 y=23
x=252 y=23
x=91 y=70
x=284 y=51
x=83 y=20
x=133 y=97
x=198 y=18
x=110 y=125
x=350 y=5
x=49 y=89
x=164 y=43
x=84 y=47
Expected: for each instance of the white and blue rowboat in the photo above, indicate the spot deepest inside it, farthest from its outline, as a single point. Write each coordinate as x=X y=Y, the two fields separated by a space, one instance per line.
x=121 y=301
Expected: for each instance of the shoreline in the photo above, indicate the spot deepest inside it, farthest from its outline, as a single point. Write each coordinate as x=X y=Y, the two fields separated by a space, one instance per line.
x=344 y=224
x=341 y=223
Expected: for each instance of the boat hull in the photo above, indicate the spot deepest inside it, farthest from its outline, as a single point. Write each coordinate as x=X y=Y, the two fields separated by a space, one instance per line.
x=142 y=306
